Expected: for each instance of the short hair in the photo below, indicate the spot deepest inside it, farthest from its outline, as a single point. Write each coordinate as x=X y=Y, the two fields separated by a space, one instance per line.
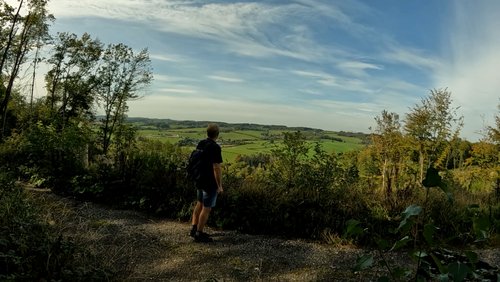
x=212 y=130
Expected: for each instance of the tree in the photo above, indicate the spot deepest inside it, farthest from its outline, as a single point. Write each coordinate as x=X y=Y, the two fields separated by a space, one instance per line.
x=289 y=158
x=459 y=156
x=484 y=154
x=121 y=75
x=388 y=142
x=494 y=132
x=432 y=125
x=71 y=80
x=494 y=135
x=368 y=165
x=23 y=33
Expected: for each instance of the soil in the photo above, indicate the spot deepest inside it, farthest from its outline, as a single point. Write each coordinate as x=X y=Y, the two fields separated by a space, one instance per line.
x=138 y=247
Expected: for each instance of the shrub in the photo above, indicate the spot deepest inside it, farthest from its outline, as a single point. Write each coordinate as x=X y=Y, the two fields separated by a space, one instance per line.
x=29 y=248
x=45 y=156
x=149 y=177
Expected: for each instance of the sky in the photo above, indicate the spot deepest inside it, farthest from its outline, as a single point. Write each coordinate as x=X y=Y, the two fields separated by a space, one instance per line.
x=327 y=64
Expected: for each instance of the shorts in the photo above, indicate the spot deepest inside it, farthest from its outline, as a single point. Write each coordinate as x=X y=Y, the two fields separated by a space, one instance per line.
x=207 y=198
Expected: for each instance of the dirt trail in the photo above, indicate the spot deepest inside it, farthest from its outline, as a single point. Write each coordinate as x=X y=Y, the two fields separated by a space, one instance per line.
x=141 y=248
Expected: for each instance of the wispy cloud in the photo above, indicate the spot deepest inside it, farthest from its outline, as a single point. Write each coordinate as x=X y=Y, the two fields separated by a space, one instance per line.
x=165 y=58
x=245 y=28
x=320 y=77
x=412 y=57
x=471 y=70
x=225 y=78
x=178 y=90
x=357 y=68
x=338 y=82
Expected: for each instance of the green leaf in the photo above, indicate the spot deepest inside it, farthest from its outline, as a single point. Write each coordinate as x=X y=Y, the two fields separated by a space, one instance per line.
x=472 y=256
x=363 y=262
x=382 y=243
x=429 y=231
x=401 y=243
x=383 y=279
x=142 y=201
x=443 y=278
x=410 y=211
x=458 y=270
x=432 y=178
x=481 y=226
x=449 y=194
x=419 y=254
x=353 y=229
x=450 y=197
x=401 y=272
x=441 y=267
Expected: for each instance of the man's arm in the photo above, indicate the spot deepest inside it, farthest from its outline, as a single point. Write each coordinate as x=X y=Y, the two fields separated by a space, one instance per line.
x=218 y=177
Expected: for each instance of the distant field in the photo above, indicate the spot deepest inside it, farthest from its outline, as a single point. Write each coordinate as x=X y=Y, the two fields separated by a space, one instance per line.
x=248 y=142
x=244 y=138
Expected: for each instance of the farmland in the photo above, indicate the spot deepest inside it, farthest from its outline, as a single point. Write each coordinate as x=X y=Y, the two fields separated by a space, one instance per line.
x=243 y=139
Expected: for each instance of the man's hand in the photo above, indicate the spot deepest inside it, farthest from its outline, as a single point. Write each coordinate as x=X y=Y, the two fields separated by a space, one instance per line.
x=220 y=190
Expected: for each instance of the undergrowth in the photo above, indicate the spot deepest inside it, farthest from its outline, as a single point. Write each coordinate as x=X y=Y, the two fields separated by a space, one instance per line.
x=31 y=248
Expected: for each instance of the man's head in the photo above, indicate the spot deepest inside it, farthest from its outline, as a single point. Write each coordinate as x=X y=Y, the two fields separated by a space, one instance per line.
x=213 y=131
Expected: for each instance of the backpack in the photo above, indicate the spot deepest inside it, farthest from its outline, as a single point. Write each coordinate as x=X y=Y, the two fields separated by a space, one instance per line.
x=196 y=167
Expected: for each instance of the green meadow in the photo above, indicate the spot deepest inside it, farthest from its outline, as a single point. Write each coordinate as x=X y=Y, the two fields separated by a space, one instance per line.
x=243 y=139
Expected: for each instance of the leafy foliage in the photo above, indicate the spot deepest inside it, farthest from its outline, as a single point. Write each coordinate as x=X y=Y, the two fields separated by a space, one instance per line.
x=433 y=261
x=26 y=241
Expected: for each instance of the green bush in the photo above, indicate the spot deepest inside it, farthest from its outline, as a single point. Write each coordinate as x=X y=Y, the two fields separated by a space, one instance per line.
x=155 y=176
x=29 y=249
x=318 y=197
x=149 y=176
x=45 y=156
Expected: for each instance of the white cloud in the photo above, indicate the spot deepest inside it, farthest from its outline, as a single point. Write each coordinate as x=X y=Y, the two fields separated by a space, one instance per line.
x=177 y=90
x=245 y=28
x=471 y=71
x=412 y=57
x=320 y=77
x=357 y=68
x=338 y=82
x=165 y=58
x=170 y=78
x=225 y=78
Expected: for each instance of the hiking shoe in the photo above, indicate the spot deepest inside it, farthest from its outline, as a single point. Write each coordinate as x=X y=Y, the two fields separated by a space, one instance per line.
x=192 y=233
x=202 y=237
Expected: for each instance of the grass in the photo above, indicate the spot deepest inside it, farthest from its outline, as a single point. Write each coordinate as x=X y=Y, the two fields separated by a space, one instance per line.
x=229 y=153
x=249 y=142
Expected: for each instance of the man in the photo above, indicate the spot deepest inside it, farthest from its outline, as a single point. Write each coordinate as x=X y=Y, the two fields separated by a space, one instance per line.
x=209 y=186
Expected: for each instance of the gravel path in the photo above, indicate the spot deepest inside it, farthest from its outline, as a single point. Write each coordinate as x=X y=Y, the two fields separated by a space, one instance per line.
x=141 y=248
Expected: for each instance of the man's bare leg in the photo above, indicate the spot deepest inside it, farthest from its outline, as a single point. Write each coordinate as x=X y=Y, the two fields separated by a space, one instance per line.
x=202 y=221
x=196 y=213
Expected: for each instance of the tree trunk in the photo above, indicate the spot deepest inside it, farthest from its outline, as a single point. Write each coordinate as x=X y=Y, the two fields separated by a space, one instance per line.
x=497 y=190
x=421 y=164
x=20 y=53
x=384 y=168
x=11 y=37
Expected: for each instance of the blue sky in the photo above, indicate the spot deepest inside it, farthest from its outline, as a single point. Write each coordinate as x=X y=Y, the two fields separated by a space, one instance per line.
x=333 y=65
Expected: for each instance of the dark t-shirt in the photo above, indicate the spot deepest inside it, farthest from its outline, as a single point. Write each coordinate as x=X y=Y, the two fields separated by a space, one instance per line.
x=212 y=152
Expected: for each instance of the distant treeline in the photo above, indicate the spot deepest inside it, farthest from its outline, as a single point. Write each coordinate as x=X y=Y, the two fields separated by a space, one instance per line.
x=179 y=124
x=363 y=136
